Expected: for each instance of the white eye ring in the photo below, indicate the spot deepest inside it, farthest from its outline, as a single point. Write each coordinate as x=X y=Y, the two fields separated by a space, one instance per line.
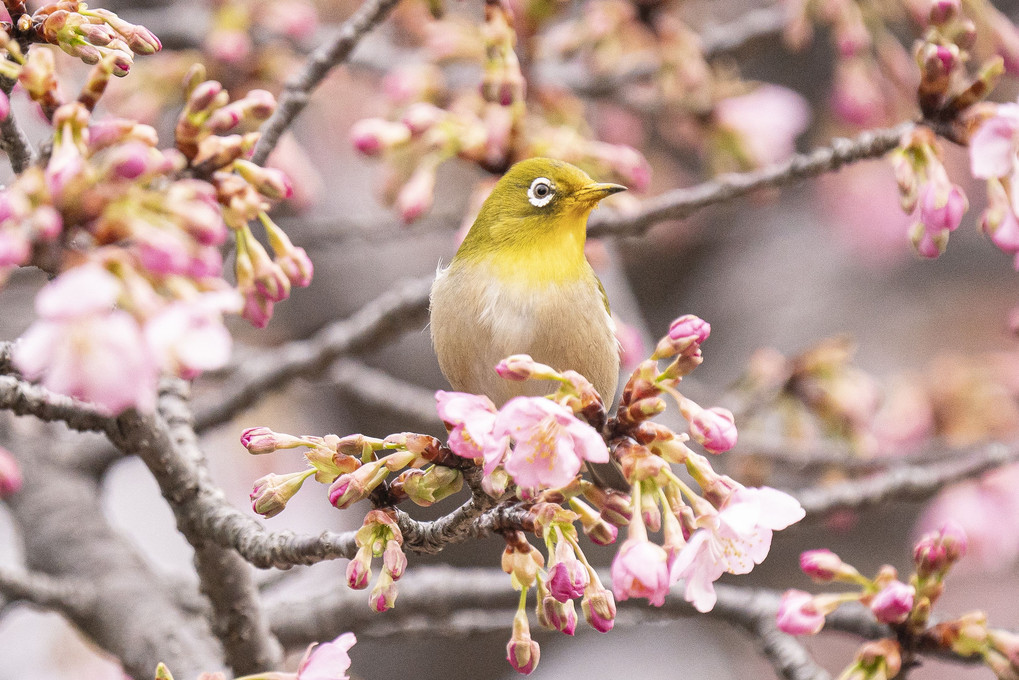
x=540 y=192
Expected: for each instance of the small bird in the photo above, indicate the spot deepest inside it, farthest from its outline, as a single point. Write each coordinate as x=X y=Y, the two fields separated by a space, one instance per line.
x=520 y=284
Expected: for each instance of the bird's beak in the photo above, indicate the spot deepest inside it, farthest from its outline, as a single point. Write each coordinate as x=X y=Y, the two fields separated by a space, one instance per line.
x=596 y=191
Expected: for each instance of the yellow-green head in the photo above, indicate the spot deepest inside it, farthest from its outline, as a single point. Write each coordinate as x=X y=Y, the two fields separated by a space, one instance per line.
x=532 y=226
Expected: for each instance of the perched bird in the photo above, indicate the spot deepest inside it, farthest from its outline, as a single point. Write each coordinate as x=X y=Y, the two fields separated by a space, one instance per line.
x=520 y=284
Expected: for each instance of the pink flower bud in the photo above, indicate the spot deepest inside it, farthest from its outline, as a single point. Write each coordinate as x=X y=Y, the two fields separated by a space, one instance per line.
x=690 y=327
x=797 y=614
x=714 y=429
x=10 y=474
x=640 y=569
x=420 y=116
x=394 y=561
x=567 y=579
x=599 y=608
x=383 y=595
x=359 y=570
x=297 y=266
x=938 y=550
x=893 y=603
x=820 y=565
x=371 y=136
x=561 y=616
x=942 y=11
x=259 y=440
x=522 y=652
x=941 y=208
x=272 y=492
x=5 y=106
x=415 y=197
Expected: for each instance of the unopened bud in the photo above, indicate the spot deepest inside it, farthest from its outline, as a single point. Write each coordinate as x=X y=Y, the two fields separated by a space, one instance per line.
x=372 y=136
x=427 y=487
x=259 y=440
x=599 y=608
x=272 y=492
x=383 y=595
x=522 y=652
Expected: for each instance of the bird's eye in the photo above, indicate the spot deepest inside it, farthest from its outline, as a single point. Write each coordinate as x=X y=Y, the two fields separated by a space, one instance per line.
x=540 y=192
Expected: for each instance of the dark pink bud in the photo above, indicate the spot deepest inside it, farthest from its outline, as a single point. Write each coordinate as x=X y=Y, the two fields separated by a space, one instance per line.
x=893 y=603
x=714 y=429
x=690 y=327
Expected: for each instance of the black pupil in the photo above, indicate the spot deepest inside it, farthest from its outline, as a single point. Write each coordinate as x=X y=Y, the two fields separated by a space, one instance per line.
x=541 y=191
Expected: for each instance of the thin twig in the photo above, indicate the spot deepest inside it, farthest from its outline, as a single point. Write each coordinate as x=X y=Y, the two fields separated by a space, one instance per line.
x=24 y=398
x=13 y=140
x=297 y=90
x=906 y=483
x=394 y=312
x=681 y=203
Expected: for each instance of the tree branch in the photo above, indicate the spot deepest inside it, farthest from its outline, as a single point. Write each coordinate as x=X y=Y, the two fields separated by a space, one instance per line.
x=13 y=140
x=71 y=597
x=906 y=483
x=226 y=579
x=134 y=614
x=681 y=203
x=382 y=391
x=297 y=90
x=394 y=312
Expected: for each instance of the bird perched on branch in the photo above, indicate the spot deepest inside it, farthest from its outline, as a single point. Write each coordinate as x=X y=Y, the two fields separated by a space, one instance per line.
x=520 y=284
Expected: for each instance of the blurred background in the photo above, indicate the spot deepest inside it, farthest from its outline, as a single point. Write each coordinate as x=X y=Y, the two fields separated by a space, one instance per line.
x=925 y=357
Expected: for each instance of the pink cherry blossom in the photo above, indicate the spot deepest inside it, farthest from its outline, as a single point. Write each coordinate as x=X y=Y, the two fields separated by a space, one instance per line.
x=188 y=337
x=690 y=327
x=767 y=120
x=732 y=540
x=469 y=418
x=993 y=147
x=327 y=661
x=83 y=348
x=550 y=444
x=640 y=569
x=797 y=614
x=893 y=603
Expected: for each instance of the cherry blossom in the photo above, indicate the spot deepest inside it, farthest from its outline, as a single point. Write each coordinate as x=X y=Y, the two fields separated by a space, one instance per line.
x=732 y=540
x=327 y=661
x=549 y=444
x=82 y=347
x=471 y=418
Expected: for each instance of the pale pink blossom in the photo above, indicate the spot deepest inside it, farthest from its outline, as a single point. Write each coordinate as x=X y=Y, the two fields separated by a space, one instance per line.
x=767 y=121
x=327 y=661
x=550 y=444
x=732 y=540
x=189 y=338
x=797 y=614
x=993 y=147
x=469 y=418
x=82 y=347
x=640 y=569
x=893 y=603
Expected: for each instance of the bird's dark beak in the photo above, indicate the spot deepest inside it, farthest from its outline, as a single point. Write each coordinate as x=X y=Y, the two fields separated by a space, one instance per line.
x=592 y=193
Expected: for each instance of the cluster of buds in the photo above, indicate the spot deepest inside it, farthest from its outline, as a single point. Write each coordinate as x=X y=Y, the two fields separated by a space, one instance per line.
x=354 y=467
x=211 y=135
x=531 y=451
x=936 y=204
x=378 y=537
x=492 y=126
x=906 y=607
x=92 y=35
x=130 y=225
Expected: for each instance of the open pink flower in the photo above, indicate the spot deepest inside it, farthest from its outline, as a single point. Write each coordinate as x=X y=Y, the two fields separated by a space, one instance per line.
x=797 y=614
x=469 y=418
x=549 y=444
x=640 y=569
x=732 y=540
x=82 y=347
x=327 y=661
x=993 y=147
x=188 y=337
x=767 y=121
